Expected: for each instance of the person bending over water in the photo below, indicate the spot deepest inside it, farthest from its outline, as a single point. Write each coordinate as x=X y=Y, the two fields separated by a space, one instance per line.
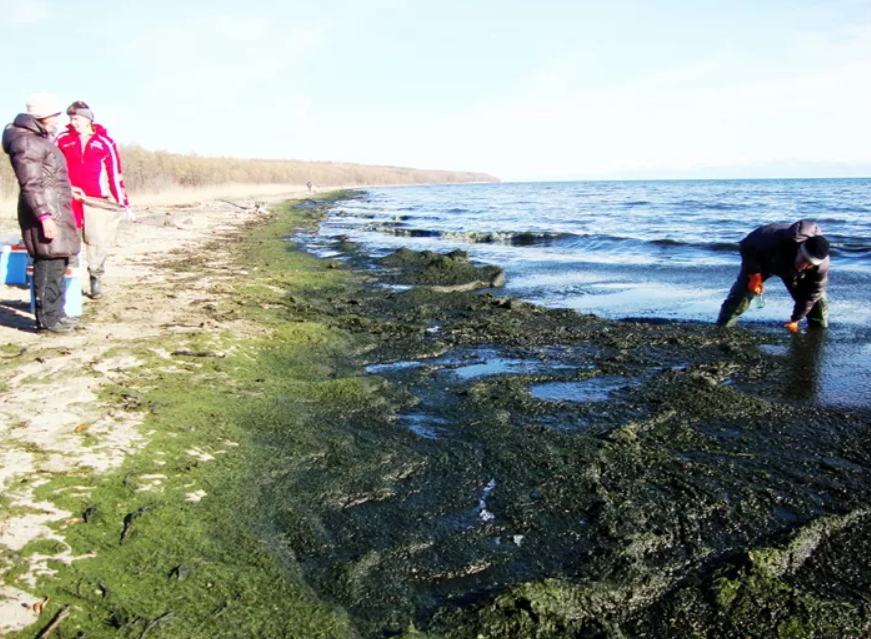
x=798 y=254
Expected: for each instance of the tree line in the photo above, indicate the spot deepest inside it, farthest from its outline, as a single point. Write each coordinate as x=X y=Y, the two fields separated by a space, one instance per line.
x=155 y=171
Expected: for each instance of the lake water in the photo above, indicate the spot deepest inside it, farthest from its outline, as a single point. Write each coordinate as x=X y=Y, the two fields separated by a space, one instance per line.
x=641 y=249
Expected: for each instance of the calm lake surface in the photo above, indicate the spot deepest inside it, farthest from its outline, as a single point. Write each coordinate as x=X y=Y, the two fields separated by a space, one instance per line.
x=642 y=249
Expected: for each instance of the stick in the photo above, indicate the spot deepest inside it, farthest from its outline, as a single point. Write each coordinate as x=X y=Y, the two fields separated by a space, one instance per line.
x=58 y=619
x=164 y=617
x=182 y=351
x=236 y=205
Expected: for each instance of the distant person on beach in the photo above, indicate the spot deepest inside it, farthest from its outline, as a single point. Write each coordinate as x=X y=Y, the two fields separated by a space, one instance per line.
x=44 y=207
x=309 y=185
x=799 y=255
x=98 y=186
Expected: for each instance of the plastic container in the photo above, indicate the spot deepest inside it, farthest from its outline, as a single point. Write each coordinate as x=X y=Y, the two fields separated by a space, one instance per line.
x=73 y=287
x=13 y=264
x=73 y=302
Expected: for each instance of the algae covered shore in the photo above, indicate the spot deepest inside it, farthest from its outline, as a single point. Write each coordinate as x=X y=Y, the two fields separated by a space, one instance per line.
x=331 y=456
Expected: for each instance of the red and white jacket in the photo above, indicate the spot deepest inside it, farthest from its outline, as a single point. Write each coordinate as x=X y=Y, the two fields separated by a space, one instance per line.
x=96 y=169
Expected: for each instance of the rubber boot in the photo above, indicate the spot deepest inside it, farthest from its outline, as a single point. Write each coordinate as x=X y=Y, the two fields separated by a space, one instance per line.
x=96 y=288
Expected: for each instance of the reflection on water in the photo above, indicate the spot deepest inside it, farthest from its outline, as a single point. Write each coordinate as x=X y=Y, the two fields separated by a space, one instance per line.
x=595 y=389
x=377 y=369
x=806 y=355
x=501 y=365
x=424 y=425
x=474 y=363
x=827 y=368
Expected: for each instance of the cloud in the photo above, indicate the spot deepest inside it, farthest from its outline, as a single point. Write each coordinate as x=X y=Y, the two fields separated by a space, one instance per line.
x=14 y=12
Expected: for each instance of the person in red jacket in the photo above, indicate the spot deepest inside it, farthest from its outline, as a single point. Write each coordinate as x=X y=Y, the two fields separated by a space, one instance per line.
x=98 y=187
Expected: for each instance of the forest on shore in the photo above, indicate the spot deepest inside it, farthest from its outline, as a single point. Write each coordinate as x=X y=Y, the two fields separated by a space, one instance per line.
x=148 y=171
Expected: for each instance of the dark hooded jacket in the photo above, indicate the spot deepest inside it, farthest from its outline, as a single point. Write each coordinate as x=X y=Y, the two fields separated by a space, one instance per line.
x=41 y=170
x=772 y=249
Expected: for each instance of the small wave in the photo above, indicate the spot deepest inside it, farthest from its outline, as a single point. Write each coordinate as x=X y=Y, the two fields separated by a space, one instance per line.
x=851 y=248
x=402 y=232
x=847 y=209
x=381 y=227
x=715 y=247
x=722 y=247
x=602 y=242
x=635 y=203
x=711 y=206
x=522 y=238
x=586 y=242
x=359 y=214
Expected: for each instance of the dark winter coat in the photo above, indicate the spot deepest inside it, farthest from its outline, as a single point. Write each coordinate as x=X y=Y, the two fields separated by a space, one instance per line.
x=41 y=170
x=771 y=250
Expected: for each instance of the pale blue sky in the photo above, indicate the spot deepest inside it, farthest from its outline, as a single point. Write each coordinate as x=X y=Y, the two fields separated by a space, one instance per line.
x=526 y=91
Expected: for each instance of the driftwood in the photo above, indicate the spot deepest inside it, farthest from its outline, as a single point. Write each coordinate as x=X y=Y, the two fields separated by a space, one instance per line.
x=58 y=619
x=155 y=623
x=187 y=353
x=496 y=281
x=460 y=288
x=239 y=206
x=259 y=207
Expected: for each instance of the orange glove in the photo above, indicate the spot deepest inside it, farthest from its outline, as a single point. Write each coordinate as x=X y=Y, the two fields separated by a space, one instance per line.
x=755 y=284
x=793 y=326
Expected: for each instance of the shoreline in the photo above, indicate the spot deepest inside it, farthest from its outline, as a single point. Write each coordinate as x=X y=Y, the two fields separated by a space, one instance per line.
x=241 y=455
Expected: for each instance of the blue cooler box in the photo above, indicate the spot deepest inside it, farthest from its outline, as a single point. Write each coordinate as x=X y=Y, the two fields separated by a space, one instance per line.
x=73 y=283
x=13 y=264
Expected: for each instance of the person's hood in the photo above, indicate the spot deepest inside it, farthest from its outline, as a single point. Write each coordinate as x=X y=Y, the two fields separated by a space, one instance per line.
x=804 y=229
x=22 y=122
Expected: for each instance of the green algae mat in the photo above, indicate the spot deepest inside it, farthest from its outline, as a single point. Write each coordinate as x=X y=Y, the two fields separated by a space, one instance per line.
x=425 y=462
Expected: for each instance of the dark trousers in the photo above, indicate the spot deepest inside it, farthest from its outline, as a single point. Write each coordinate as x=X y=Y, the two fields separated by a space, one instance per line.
x=50 y=290
x=739 y=299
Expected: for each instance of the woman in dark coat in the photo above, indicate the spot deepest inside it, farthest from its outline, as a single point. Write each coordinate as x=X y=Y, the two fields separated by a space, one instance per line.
x=44 y=206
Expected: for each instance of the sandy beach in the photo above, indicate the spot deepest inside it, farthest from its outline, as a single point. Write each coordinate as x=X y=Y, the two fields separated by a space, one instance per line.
x=50 y=384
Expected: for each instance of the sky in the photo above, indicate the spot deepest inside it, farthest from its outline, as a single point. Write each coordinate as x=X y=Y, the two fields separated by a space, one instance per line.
x=525 y=91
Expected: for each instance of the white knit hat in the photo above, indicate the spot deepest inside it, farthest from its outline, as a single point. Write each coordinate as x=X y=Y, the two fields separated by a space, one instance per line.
x=43 y=105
